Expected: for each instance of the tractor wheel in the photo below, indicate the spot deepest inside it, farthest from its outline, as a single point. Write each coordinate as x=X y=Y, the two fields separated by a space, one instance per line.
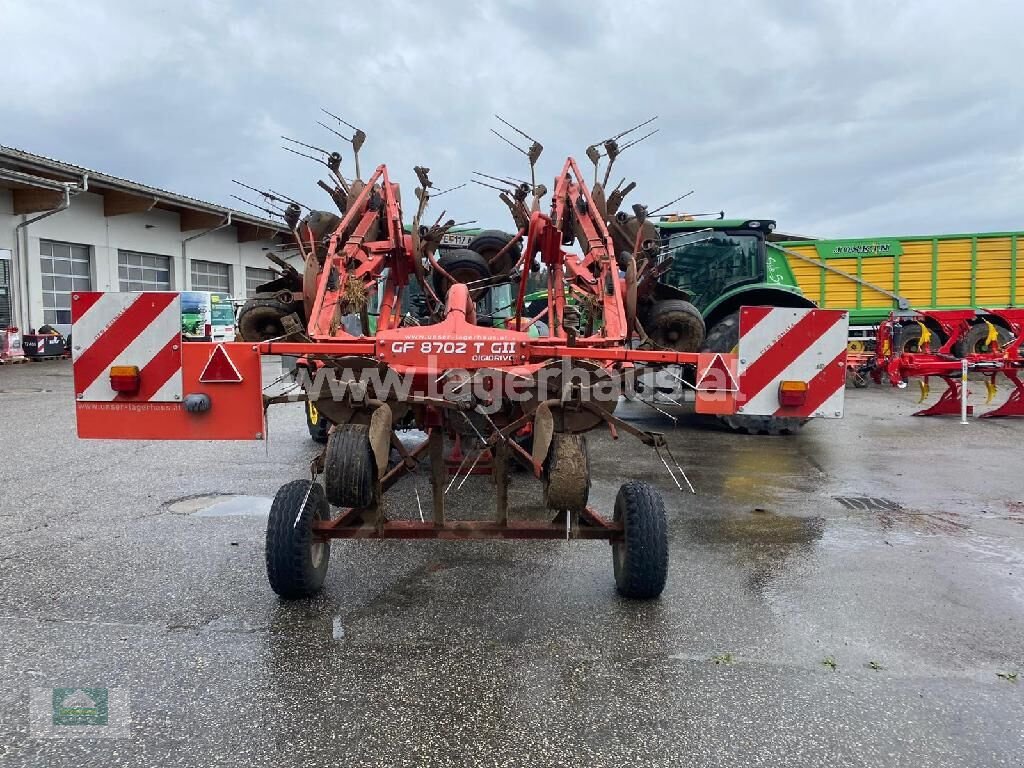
x=350 y=470
x=260 y=319
x=296 y=564
x=724 y=336
x=641 y=558
x=566 y=475
x=908 y=339
x=317 y=424
x=973 y=342
x=465 y=266
x=675 y=325
x=489 y=242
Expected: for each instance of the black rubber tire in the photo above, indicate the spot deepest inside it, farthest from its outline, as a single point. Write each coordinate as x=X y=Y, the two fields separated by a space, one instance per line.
x=640 y=560
x=489 y=242
x=296 y=566
x=319 y=427
x=908 y=339
x=566 y=477
x=724 y=336
x=465 y=266
x=675 y=324
x=350 y=469
x=974 y=340
x=260 y=319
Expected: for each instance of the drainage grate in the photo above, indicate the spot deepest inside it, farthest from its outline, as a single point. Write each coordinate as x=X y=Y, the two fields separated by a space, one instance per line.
x=868 y=503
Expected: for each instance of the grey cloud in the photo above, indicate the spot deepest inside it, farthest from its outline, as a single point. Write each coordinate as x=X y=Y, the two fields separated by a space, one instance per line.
x=835 y=118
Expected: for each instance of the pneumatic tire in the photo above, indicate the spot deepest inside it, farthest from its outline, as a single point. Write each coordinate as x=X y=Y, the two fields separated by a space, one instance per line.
x=640 y=560
x=350 y=470
x=566 y=477
x=319 y=427
x=261 y=319
x=465 y=266
x=296 y=563
x=490 y=242
x=676 y=325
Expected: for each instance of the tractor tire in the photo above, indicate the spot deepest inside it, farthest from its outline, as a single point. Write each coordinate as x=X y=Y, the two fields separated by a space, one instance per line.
x=908 y=339
x=319 y=427
x=566 y=477
x=489 y=242
x=973 y=342
x=676 y=325
x=296 y=564
x=350 y=469
x=260 y=319
x=640 y=559
x=465 y=266
x=724 y=336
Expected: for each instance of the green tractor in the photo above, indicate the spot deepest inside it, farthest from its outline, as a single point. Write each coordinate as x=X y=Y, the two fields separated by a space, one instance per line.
x=706 y=270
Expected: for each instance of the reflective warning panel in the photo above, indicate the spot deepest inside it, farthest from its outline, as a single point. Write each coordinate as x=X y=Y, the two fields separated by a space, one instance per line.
x=784 y=351
x=224 y=410
x=126 y=346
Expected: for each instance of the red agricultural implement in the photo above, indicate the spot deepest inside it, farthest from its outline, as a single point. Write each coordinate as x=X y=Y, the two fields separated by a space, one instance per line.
x=940 y=342
x=496 y=392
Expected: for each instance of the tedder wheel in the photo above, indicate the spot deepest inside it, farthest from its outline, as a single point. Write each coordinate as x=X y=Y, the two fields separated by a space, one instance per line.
x=724 y=336
x=567 y=473
x=350 y=470
x=297 y=565
x=973 y=342
x=676 y=325
x=641 y=558
x=317 y=424
x=261 y=319
x=490 y=242
x=465 y=266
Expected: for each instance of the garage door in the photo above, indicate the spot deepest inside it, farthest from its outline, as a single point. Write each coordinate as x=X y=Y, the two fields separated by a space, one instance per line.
x=143 y=271
x=255 y=277
x=65 y=268
x=211 y=276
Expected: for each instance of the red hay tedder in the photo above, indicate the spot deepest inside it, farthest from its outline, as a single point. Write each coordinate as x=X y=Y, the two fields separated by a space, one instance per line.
x=495 y=391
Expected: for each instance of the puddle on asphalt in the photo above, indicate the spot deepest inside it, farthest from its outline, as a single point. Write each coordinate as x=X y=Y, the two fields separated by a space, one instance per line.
x=764 y=541
x=760 y=526
x=338 y=629
x=221 y=505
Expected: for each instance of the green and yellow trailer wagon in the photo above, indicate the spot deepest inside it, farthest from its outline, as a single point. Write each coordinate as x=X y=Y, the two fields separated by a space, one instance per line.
x=872 y=277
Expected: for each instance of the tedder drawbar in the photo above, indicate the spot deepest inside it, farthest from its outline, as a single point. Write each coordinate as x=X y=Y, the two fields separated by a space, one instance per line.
x=482 y=388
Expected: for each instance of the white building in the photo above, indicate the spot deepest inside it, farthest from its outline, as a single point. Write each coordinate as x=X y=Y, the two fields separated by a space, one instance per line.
x=64 y=228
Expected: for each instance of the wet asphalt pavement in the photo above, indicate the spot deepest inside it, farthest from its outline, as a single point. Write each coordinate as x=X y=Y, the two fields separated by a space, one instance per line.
x=890 y=547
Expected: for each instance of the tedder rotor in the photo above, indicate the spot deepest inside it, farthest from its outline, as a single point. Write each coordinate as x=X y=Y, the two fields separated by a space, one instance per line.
x=486 y=389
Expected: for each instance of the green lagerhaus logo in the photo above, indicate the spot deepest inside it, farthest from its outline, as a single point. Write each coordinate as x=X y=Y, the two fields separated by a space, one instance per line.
x=80 y=706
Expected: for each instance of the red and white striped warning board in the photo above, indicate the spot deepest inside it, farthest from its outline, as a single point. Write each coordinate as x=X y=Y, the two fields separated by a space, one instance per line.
x=781 y=344
x=126 y=329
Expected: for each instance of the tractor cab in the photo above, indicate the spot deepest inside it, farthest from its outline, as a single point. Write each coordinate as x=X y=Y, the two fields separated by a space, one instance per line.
x=713 y=257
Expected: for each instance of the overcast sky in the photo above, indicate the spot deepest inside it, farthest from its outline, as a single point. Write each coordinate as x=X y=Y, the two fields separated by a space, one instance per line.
x=833 y=117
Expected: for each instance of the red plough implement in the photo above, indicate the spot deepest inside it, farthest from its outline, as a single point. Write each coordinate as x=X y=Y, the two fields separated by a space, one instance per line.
x=485 y=384
x=939 y=342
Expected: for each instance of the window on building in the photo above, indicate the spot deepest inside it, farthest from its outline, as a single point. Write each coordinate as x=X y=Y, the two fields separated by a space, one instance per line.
x=65 y=269
x=143 y=271
x=211 y=276
x=254 y=277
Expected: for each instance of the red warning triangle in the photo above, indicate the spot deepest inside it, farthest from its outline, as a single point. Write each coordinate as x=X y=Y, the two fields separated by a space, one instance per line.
x=220 y=369
x=717 y=377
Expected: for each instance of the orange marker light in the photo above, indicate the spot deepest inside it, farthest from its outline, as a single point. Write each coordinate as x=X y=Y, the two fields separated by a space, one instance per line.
x=125 y=378
x=792 y=394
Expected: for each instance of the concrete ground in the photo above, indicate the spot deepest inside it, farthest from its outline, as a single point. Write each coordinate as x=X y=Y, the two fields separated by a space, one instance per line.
x=850 y=596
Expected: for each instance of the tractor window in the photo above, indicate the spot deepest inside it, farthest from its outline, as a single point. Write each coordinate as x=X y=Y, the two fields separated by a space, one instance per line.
x=708 y=268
